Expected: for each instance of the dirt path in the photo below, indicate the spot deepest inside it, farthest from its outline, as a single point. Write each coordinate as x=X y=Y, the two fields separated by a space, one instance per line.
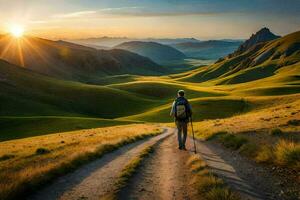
x=98 y=178
x=164 y=175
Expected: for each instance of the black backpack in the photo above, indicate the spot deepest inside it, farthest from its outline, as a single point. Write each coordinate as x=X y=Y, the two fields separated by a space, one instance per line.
x=182 y=110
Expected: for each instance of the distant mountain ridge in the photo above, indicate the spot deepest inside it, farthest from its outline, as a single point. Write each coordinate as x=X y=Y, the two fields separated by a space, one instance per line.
x=113 y=41
x=157 y=52
x=210 y=50
x=71 y=61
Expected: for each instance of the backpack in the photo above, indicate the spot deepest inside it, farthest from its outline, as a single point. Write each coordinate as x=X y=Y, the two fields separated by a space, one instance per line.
x=182 y=111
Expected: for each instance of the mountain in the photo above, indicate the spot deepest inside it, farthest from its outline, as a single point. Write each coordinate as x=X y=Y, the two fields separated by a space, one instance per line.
x=208 y=50
x=158 y=52
x=71 y=61
x=261 y=60
x=263 y=35
x=113 y=41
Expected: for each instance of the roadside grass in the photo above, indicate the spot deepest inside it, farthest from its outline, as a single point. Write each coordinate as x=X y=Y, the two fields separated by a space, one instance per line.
x=209 y=187
x=269 y=135
x=276 y=132
x=229 y=140
x=38 y=160
x=132 y=166
x=232 y=141
x=283 y=153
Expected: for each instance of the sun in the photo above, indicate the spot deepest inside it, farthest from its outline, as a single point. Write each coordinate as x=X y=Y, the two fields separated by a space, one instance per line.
x=16 y=30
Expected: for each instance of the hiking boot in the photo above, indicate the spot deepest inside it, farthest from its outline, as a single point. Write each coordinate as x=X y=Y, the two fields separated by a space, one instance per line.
x=183 y=148
x=179 y=148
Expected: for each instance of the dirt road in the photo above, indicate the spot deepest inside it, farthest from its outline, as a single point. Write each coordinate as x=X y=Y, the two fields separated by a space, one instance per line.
x=163 y=175
x=97 y=178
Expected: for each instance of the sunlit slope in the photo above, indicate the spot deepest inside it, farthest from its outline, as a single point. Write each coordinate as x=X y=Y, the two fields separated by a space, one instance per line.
x=164 y=90
x=261 y=61
x=24 y=93
x=69 y=61
x=21 y=127
x=203 y=108
x=286 y=80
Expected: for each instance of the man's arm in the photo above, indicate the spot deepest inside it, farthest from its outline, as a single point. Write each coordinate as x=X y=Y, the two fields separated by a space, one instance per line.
x=172 y=113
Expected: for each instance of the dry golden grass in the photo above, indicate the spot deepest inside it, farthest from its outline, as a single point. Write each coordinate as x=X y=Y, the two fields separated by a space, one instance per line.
x=284 y=153
x=26 y=168
x=209 y=187
x=263 y=119
x=272 y=133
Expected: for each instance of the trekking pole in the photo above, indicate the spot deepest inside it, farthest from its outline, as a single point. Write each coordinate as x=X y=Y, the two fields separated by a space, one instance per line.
x=193 y=135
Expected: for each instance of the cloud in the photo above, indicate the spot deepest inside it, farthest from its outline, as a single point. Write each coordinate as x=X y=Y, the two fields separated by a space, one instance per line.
x=119 y=8
x=37 y=22
x=75 y=14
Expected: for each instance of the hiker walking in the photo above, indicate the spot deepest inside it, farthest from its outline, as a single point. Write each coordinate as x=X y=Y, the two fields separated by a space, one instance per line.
x=181 y=111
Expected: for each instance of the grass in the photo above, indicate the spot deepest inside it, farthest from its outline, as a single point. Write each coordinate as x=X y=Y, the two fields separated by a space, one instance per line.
x=21 y=127
x=264 y=114
x=232 y=141
x=128 y=171
x=283 y=153
x=276 y=132
x=25 y=93
x=202 y=109
x=132 y=166
x=31 y=167
x=209 y=187
x=287 y=153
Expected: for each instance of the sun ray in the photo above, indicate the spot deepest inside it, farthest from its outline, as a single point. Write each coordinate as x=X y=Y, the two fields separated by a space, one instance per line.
x=20 y=53
x=6 y=48
x=36 y=50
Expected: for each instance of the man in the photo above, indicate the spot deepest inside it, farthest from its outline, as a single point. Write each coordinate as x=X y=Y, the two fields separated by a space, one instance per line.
x=181 y=111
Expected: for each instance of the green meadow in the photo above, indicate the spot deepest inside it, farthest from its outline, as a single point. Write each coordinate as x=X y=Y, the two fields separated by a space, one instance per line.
x=33 y=104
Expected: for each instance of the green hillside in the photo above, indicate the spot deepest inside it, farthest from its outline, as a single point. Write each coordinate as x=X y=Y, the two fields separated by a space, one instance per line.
x=23 y=92
x=34 y=104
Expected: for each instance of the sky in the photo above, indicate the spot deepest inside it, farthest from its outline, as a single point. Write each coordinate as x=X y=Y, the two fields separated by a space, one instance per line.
x=202 y=19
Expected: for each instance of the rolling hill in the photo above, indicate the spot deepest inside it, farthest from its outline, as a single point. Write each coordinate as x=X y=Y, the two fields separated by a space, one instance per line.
x=27 y=93
x=70 y=61
x=208 y=50
x=158 y=52
x=266 y=74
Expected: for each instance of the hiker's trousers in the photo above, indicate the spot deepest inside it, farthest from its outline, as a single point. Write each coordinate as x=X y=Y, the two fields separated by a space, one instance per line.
x=182 y=132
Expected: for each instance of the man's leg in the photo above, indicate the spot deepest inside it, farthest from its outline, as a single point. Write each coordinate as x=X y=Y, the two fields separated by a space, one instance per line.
x=179 y=130
x=184 y=128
